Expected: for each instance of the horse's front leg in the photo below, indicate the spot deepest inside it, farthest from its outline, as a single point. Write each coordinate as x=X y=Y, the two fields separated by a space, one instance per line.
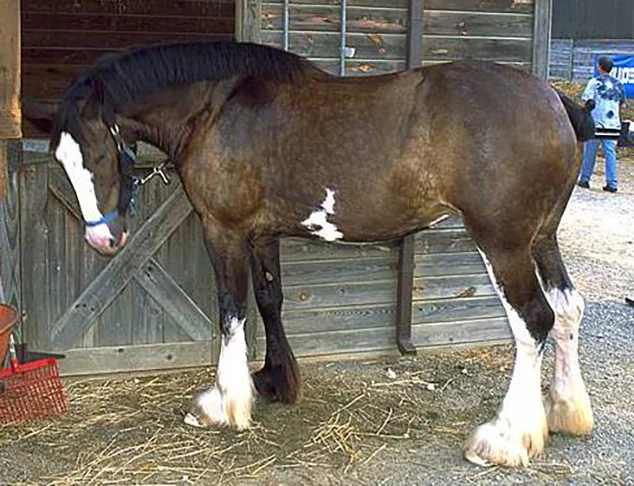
x=229 y=401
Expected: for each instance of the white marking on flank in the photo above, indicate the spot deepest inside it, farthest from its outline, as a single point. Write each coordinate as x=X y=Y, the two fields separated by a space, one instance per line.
x=318 y=220
x=229 y=402
x=68 y=153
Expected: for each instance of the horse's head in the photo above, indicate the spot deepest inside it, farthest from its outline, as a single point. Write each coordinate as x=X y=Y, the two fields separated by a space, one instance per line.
x=98 y=160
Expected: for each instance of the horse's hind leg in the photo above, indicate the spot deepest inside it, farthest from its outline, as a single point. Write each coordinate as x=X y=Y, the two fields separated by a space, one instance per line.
x=230 y=400
x=519 y=430
x=279 y=379
x=568 y=406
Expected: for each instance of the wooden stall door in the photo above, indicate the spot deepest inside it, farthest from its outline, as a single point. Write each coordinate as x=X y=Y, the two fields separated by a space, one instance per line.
x=151 y=306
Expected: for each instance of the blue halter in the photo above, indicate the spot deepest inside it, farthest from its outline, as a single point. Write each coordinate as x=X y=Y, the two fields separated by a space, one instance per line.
x=130 y=184
x=108 y=218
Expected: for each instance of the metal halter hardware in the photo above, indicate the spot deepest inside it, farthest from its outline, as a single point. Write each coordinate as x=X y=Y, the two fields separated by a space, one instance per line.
x=129 y=182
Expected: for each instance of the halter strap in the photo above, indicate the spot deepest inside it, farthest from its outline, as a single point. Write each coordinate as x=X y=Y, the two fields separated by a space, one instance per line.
x=108 y=218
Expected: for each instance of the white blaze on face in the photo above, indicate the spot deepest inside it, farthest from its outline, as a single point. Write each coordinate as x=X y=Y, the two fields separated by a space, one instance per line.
x=229 y=402
x=519 y=430
x=68 y=153
x=318 y=220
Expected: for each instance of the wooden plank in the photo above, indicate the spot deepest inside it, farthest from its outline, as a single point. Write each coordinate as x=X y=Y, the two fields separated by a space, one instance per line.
x=61 y=24
x=250 y=12
x=397 y=4
x=326 y=44
x=60 y=41
x=541 y=37
x=560 y=63
x=299 y=249
x=342 y=317
x=414 y=34
x=472 y=331
x=449 y=310
x=60 y=187
x=168 y=8
x=381 y=338
x=523 y=66
x=487 y=49
x=445 y=264
x=452 y=286
x=326 y=18
x=308 y=297
x=405 y=283
x=468 y=5
x=312 y=296
x=34 y=246
x=162 y=287
x=367 y=269
x=119 y=359
x=149 y=322
x=9 y=79
x=339 y=342
x=444 y=241
x=369 y=67
x=443 y=22
x=102 y=290
x=493 y=6
x=9 y=228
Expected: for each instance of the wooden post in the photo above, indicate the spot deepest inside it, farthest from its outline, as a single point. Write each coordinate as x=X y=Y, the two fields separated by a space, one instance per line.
x=248 y=19
x=9 y=84
x=541 y=37
x=405 y=276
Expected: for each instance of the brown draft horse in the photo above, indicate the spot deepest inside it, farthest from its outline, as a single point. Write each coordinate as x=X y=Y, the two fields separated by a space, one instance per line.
x=269 y=146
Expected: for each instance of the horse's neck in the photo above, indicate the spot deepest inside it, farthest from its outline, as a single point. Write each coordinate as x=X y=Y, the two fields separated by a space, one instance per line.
x=165 y=120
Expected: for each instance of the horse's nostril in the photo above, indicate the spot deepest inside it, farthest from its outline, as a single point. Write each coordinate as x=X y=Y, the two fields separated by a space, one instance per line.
x=113 y=243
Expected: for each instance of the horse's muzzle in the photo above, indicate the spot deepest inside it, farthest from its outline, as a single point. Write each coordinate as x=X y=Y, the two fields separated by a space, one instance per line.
x=102 y=240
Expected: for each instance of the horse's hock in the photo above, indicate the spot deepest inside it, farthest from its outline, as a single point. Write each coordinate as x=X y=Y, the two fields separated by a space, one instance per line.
x=151 y=306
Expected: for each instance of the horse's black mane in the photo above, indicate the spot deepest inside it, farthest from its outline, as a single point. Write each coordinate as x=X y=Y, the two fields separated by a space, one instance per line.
x=118 y=79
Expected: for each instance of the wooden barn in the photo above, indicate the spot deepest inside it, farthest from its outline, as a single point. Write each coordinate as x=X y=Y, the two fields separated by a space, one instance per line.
x=152 y=306
x=584 y=30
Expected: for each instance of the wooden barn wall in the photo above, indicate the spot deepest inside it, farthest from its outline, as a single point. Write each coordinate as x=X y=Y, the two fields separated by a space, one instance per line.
x=62 y=37
x=593 y=19
x=497 y=30
x=151 y=308
x=343 y=299
x=574 y=60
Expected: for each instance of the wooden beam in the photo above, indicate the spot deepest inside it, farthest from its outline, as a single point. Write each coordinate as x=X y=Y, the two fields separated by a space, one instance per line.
x=248 y=19
x=121 y=269
x=541 y=37
x=9 y=84
x=405 y=278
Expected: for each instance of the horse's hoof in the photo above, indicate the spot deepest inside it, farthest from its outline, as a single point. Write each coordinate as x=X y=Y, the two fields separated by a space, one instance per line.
x=572 y=417
x=281 y=383
x=212 y=408
x=499 y=442
x=207 y=410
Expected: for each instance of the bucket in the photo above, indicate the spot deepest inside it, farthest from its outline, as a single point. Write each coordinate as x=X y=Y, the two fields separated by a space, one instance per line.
x=8 y=318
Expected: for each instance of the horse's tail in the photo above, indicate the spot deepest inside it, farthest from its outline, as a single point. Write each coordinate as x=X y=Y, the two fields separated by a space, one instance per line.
x=580 y=117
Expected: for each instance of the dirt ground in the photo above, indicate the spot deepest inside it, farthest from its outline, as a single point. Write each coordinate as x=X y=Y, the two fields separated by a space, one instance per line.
x=389 y=421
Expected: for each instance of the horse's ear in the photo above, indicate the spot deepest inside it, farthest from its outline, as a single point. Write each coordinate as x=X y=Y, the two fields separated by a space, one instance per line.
x=41 y=114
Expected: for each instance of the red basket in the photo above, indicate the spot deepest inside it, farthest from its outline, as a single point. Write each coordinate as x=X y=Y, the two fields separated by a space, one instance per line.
x=30 y=391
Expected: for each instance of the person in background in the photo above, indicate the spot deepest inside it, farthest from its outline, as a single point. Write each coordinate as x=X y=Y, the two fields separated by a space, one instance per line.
x=609 y=96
